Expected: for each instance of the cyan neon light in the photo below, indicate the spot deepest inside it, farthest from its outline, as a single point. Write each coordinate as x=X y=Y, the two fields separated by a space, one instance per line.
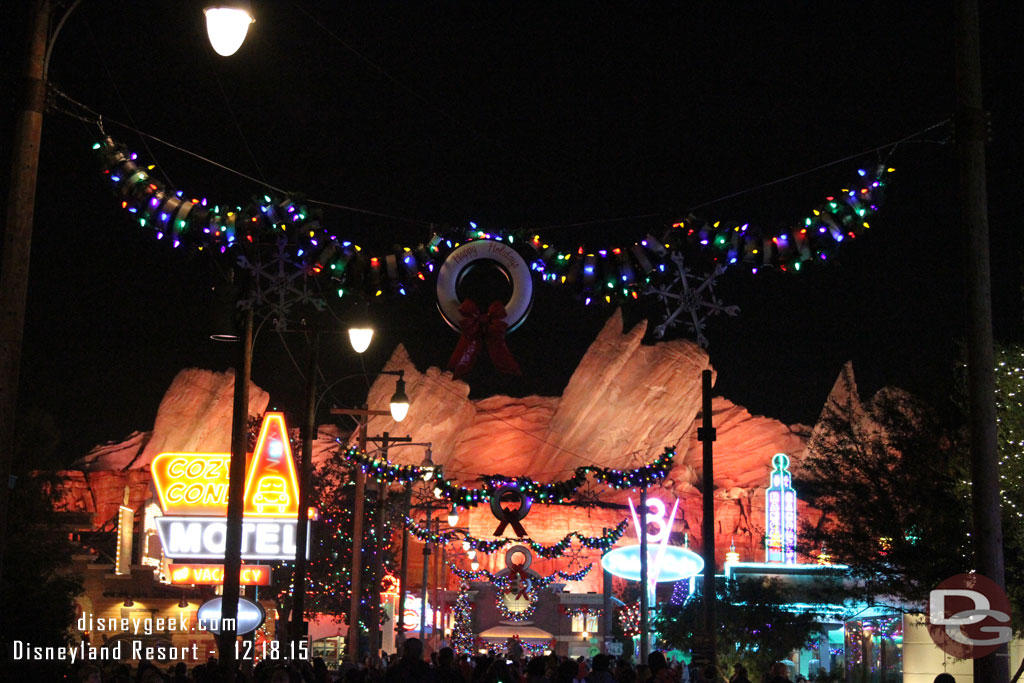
x=664 y=562
x=780 y=514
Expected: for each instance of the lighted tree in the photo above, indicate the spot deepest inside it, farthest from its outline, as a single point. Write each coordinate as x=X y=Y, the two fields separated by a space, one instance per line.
x=755 y=624
x=886 y=474
x=462 y=630
x=329 y=579
x=1009 y=376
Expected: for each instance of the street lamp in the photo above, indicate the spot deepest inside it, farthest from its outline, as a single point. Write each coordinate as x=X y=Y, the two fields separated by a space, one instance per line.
x=360 y=329
x=227 y=24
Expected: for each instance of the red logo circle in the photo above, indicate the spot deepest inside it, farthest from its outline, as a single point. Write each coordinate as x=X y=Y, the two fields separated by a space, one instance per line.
x=969 y=616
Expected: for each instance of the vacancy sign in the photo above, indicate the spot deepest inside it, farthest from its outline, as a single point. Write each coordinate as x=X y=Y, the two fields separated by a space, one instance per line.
x=213 y=574
x=193 y=492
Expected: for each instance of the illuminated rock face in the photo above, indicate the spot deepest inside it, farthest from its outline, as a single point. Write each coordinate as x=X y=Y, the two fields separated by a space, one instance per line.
x=623 y=405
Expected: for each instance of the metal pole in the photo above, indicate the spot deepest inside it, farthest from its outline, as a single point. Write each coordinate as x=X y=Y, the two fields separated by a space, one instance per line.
x=423 y=590
x=606 y=611
x=21 y=204
x=706 y=433
x=305 y=481
x=357 y=548
x=403 y=571
x=236 y=491
x=971 y=135
x=645 y=636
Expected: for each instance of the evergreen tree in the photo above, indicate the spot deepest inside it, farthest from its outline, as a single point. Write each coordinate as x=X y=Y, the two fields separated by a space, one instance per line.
x=462 y=630
x=887 y=476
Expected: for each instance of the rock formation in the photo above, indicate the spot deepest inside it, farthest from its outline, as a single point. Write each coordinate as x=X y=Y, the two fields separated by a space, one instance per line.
x=623 y=405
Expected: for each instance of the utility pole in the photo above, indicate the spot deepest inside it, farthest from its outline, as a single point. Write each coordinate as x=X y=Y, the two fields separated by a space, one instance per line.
x=971 y=136
x=377 y=568
x=403 y=570
x=706 y=434
x=358 y=508
x=426 y=580
x=305 y=477
x=21 y=204
x=236 y=492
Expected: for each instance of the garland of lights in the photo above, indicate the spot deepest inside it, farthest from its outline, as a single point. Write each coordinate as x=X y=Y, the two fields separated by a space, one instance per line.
x=608 y=538
x=504 y=582
x=553 y=493
x=582 y=612
x=618 y=273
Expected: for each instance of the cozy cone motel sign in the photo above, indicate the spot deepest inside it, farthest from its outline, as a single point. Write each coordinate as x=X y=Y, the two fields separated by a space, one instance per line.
x=193 y=493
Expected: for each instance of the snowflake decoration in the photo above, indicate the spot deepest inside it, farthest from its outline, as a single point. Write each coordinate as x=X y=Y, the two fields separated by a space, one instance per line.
x=589 y=495
x=576 y=554
x=279 y=283
x=689 y=293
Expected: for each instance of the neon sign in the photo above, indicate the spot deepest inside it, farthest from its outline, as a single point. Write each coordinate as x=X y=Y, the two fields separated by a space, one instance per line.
x=664 y=562
x=213 y=574
x=780 y=514
x=193 y=492
x=197 y=483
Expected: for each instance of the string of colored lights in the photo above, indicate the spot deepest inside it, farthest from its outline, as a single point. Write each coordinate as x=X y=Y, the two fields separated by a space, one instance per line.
x=611 y=274
x=606 y=540
x=504 y=581
x=552 y=493
x=581 y=611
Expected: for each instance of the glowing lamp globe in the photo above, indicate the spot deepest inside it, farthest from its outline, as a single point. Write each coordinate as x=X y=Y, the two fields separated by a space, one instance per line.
x=399 y=404
x=360 y=338
x=227 y=26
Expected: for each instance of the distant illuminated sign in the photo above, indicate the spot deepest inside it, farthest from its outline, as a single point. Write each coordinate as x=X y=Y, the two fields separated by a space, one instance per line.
x=250 y=616
x=780 y=514
x=213 y=574
x=199 y=538
x=197 y=483
x=193 y=492
x=664 y=562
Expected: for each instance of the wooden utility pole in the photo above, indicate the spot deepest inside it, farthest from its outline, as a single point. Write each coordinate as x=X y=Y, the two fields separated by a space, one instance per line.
x=21 y=205
x=358 y=508
x=296 y=633
x=971 y=136
x=236 y=492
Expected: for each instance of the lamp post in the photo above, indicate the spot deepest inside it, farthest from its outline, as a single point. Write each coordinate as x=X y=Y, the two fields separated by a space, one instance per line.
x=17 y=244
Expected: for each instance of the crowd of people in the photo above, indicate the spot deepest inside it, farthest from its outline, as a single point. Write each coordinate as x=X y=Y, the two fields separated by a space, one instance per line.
x=443 y=667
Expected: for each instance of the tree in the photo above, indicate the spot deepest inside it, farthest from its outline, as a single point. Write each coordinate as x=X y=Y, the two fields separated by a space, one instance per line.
x=462 y=630
x=1009 y=376
x=37 y=591
x=887 y=476
x=755 y=626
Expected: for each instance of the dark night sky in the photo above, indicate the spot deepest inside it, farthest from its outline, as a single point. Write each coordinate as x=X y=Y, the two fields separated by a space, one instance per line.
x=518 y=115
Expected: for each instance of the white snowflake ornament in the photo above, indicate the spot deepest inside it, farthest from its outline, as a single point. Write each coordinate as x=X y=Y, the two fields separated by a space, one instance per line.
x=692 y=294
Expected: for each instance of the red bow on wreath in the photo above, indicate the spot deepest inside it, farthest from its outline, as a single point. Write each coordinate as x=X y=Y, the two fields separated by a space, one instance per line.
x=522 y=578
x=479 y=330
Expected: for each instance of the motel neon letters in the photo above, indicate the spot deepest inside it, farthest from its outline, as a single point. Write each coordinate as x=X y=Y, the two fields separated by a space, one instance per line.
x=193 y=492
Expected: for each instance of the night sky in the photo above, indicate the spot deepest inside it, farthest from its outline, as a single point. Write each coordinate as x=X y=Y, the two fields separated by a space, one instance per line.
x=517 y=115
